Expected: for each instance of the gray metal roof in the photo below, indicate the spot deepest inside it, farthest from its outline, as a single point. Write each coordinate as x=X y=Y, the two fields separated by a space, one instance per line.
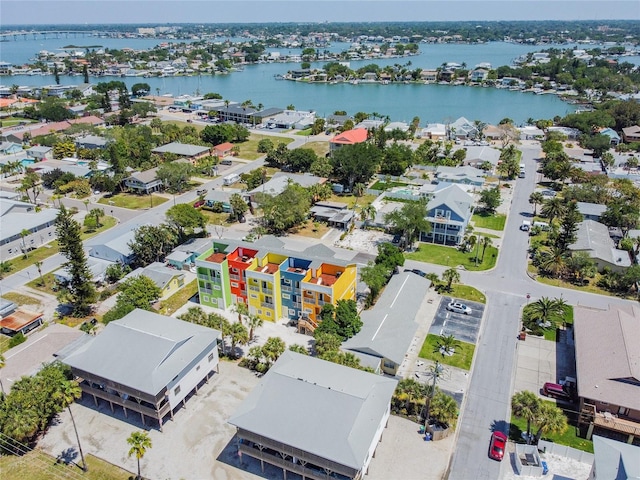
x=15 y=222
x=119 y=243
x=466 y=173
x=390 y=325
x=317 y=406
x=143 y=350
x=183 y=149
x=616 y=460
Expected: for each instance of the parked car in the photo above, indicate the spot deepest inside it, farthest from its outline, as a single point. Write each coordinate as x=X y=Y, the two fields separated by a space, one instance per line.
x=556 y=390
x=226 y=161
x=396 y=239
x=417 y=272
x=202 y=191
x=497 y=446
x=458 y=307
x=199 y=203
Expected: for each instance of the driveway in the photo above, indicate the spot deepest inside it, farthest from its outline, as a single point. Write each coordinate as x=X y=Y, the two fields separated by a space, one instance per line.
x=463 y=327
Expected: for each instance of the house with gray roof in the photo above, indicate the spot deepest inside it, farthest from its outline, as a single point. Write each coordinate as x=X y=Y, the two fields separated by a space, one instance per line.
x=183 y=150
x=278 y=183
x=477 y=155
x=390 y=326
x=336 y=214
x=464 y=175
x=17 y=217
x=144 y=182
x=591 y=211
x=113 y=246
x=593 y=238
x=168 y=280
x=463 y=129
x=311 y=417
x=615 y=460
x=449 y=211
x=91 y=142
x=178 y=357
x=40 y=152
x=607 y=352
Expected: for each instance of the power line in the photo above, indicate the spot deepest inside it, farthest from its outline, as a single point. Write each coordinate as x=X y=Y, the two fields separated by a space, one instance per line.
x=38 y=461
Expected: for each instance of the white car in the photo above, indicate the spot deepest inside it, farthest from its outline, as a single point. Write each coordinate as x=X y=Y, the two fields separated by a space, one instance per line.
x=458 y=307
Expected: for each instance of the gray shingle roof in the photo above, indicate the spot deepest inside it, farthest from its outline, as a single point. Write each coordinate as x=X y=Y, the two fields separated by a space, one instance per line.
x=455 y=198
x=279 y=181
x=336 y=411
x=594 y=238
x=593 y=209
x=608 y=355
x=143 y=350
x=158 y=273
x=389 y=327
x=182 y=149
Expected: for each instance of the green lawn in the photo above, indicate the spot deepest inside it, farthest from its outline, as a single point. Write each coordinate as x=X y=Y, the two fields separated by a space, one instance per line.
x=570 y=437
x=462 y=358
x=37 y=465
x=320 y=148
x=466 y=292
x=452 y=257
x=20 y=299
x=590 y=287
x=132 y=201
x=249 y=149
x=4 y=346
x=492 y=221
x=311 y=229
x=382 y=185
x=46 y=251
x=45 y=284
x=178 y=299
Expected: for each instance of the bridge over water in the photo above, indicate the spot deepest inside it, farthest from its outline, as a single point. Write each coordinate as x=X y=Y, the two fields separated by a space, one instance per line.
x=48 y=34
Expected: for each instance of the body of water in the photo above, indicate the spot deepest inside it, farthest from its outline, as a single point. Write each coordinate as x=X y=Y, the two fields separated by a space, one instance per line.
x=432 y=103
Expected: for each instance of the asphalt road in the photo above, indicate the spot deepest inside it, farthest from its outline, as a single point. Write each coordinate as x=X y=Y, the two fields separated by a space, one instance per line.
x=487 y=400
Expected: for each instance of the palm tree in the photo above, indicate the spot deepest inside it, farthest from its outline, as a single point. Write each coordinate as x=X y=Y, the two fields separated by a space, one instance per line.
x=368 y=212
x=139 y=442
x=2 y=364
x=550 y=419
x=299 y=349
x=450 y=276
x=553 y=261
x=272 y=349
x=24 y=234
x=238 y=335
x=526 y=405
x=443 y=408
x=433 y=278
x=446 y=345
x=546 y=310
x=97 y=213
x=38 y=265
x=70 y=391
x=536 y=198
x=253 y=322
x=486 y=242
x=552 y=208
x=409 y=389
x=242 y=310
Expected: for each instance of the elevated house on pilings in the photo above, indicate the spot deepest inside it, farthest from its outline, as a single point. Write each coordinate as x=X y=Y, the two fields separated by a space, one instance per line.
x=146 y=363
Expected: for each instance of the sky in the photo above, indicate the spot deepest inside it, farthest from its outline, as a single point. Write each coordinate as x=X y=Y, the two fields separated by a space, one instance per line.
x=28 y=12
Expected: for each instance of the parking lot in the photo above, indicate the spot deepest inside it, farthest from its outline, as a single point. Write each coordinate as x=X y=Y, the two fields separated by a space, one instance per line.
x=200 y=443
x=463 y=327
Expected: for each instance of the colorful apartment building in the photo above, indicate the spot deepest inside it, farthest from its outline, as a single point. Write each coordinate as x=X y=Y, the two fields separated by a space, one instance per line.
x=273 y=284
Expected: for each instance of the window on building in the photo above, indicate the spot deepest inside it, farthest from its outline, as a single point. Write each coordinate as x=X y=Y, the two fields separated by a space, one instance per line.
x=210 y=357
x=176 y=390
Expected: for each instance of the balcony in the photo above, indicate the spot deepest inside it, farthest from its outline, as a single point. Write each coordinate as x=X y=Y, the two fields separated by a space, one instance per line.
x=203 y=277
x=267 y=291
x=233 y=276
x=610 y=421
x=267 y=305
x=253 y=288
x=287 y=289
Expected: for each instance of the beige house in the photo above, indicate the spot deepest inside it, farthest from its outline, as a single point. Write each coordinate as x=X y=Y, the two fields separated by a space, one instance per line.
x=608 y=370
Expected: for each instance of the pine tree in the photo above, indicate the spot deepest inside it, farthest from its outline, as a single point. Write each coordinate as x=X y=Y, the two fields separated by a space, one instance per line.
x=80 y=291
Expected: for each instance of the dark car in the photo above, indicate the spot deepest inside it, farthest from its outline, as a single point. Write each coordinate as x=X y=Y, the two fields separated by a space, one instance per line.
x=556 y=390
x=497 y=446
x=417 y=272
x=396 y=239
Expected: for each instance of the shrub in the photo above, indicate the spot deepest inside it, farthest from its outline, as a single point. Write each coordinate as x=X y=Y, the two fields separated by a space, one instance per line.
x=17 y=340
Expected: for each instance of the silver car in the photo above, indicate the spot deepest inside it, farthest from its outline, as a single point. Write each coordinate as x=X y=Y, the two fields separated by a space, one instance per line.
x=458 y=307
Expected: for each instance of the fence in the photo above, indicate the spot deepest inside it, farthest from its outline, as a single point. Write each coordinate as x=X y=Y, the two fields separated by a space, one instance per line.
x=565 y=451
